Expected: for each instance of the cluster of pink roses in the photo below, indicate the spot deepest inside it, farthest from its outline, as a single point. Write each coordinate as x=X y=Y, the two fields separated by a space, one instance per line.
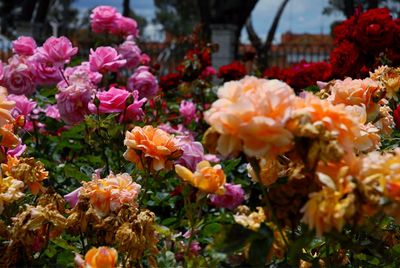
x=107 y=19
x=32 y=66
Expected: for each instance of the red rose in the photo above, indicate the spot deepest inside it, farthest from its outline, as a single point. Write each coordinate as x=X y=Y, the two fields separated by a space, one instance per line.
x=396 y=117
x=307 y=74
x=170 y=81
x=301 y=75
x=375 y=29
x=346 y=60
x=233 y=71
x=274 y=73
x=344 y=30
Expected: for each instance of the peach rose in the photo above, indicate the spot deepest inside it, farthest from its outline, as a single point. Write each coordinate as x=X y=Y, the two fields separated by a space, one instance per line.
x=5 y=107
x=110 y=193
x=335 y=118
x=151 y=143
x=250 y=115
x=207 y=178
x=356 y=92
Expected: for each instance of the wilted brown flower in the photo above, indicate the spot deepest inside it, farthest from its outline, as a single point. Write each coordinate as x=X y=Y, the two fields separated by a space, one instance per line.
x=28 y=170
x=31 y=230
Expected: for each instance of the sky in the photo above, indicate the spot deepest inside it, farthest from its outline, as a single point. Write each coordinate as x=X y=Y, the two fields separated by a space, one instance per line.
x=299 y=16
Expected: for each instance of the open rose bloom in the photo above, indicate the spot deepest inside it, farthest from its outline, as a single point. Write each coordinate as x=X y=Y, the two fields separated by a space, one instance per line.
x=250 y=114
x=153 y=143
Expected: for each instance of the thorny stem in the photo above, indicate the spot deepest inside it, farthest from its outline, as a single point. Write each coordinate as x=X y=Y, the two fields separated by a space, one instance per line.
x=268 y=203
x=63 y=76
x=146 y=178
x=82 y=241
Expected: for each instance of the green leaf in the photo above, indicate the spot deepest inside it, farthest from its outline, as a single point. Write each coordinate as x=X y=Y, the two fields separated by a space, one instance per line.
x=65 y=259
x=169 y=221
x=211 y=229
x=259 y=250
x=73 y=172
x=232 y=238
x=230 y=165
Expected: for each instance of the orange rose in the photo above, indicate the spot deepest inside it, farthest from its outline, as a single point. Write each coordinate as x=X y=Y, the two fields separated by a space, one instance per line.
x=151 y=143
x=207 y=178
x=102 y=257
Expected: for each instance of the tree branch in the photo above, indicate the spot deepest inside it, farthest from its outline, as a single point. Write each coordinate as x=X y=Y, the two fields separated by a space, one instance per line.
x=253 y=37
x=274 y=26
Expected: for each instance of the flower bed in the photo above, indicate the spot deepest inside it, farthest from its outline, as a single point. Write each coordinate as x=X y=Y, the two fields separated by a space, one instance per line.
x=104 y=166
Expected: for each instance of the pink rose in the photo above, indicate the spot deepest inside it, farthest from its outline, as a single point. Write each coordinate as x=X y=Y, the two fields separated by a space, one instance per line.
x=193 y=152
x=52 y=112
x=144 y=82
x=18 y=79
x=115 y=101
x=1 y=70
x=124 y=26
x=23 y=106
x=81 y=73
x=102 y=18
x=187 y=109
x=233 y=197
x=45 y=74
x=145 y=59
x=24 y=46
x=72 y=103
x=131 y=53
x=57 y=51
x=105 y=58
x=73 y=197
x=17 y=151
x=207 y=72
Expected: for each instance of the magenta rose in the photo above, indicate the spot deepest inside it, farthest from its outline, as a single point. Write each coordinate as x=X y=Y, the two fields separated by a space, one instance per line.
x=105 y=59
x=144 y=82
x=233 y=197
x=24 y=46
x=115 y=101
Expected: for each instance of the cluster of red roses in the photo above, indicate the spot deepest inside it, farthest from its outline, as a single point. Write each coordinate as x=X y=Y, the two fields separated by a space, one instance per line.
x=196 y=64
x=233 y=71
x=365 y=41
x=301 y=75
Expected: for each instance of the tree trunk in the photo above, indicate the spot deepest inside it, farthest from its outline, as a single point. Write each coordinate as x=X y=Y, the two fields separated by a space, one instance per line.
x=349 y=8
x=373 y=4
x=42 y=11
x=27 y=9
x=126 y=10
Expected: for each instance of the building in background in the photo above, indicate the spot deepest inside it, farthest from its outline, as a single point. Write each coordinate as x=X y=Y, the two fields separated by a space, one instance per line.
x=294 y=48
